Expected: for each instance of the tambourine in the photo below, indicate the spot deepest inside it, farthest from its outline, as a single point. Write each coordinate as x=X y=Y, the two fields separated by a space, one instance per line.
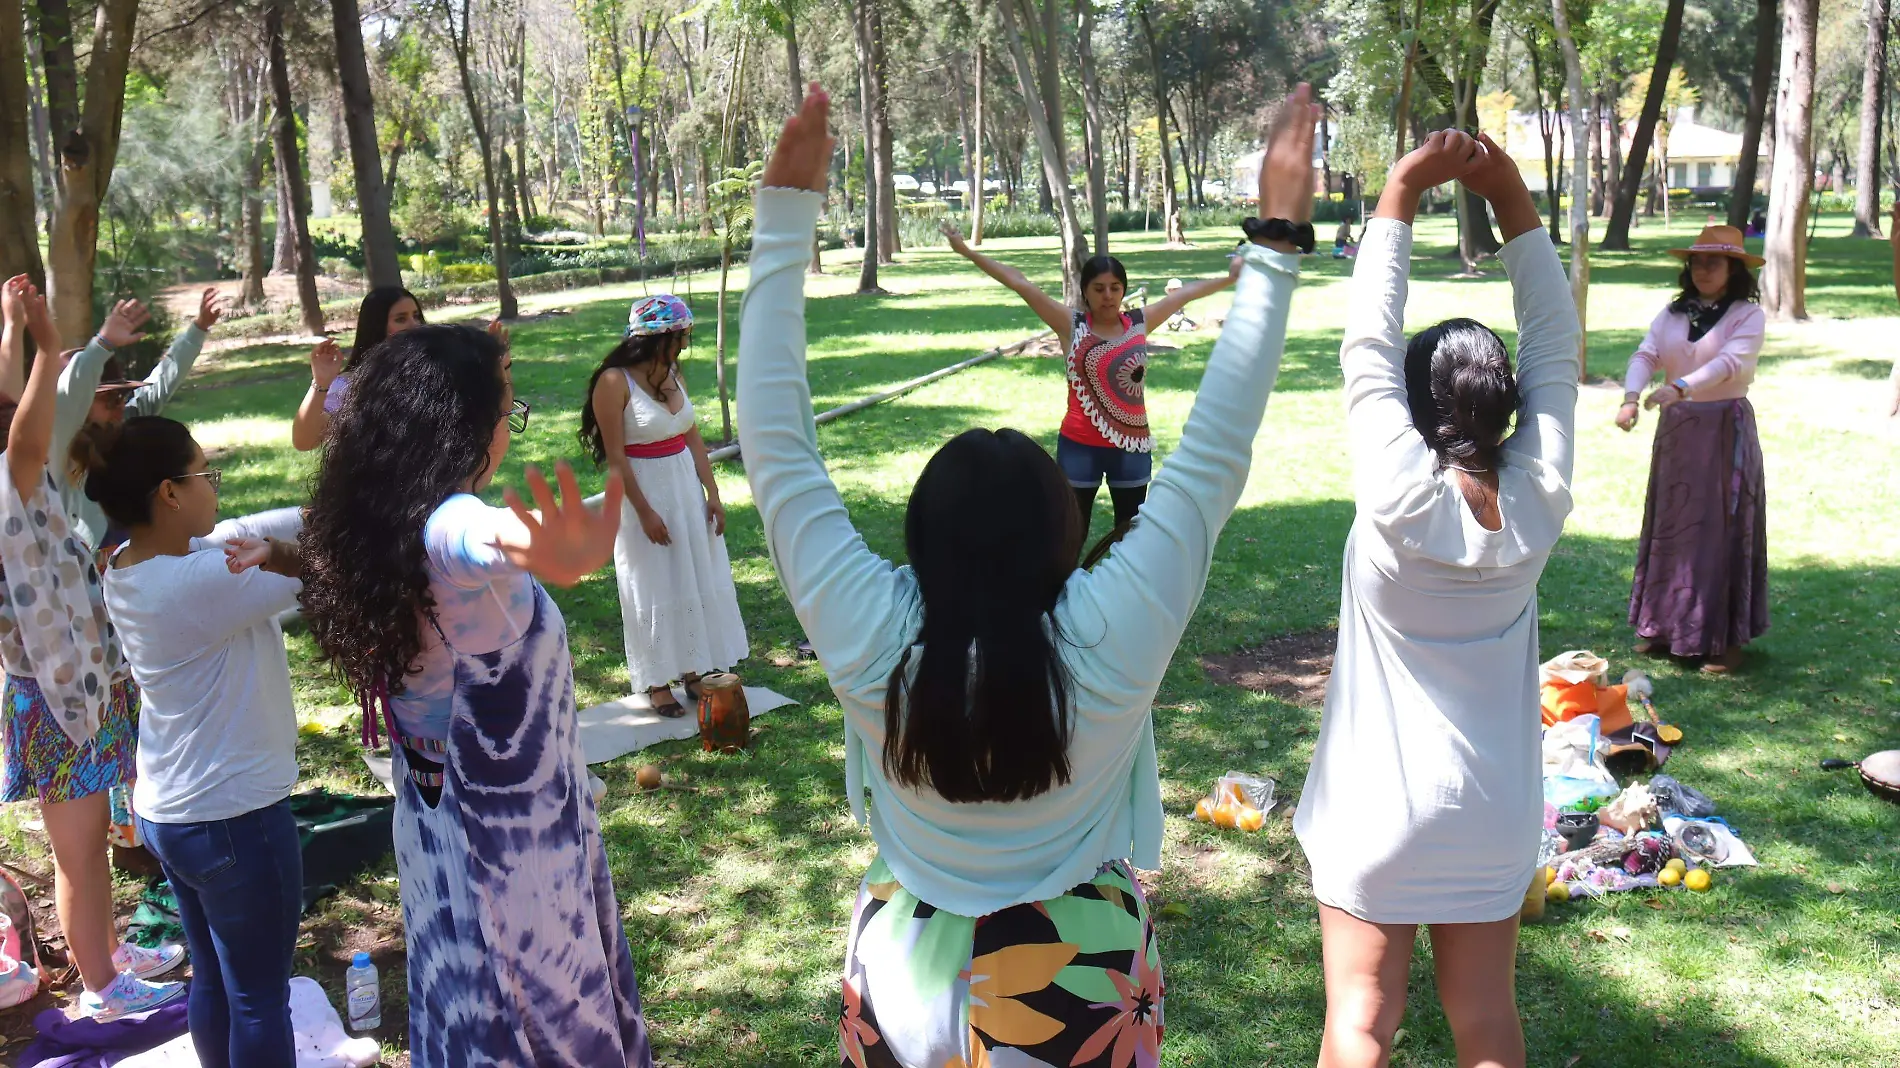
x=725 y=723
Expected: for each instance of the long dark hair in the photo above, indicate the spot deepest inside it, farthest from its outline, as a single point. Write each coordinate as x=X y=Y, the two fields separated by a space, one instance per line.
x=1459 y=383
x=1100 y=265
x=634 y=351
x=414 y=429
x=1741 y=286
x=993 y=533
x=372 y=320
x=132 y=460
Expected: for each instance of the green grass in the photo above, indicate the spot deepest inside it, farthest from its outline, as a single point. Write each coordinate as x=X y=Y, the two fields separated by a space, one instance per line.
x=736 y=897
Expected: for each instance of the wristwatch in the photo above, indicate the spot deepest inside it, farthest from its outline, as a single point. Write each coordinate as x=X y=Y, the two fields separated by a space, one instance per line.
x=1300 y=235
x=1682 y=387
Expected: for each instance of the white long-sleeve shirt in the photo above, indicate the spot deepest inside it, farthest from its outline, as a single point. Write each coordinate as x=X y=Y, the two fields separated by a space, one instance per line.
x=1121 y=621
x=1424 y=801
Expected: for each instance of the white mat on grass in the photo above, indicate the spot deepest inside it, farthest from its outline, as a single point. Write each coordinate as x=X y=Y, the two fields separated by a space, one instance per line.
x=320 y=1039
x=628 y=725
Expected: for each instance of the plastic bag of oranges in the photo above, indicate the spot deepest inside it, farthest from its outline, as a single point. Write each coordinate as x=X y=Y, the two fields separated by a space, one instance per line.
x=1238 y=800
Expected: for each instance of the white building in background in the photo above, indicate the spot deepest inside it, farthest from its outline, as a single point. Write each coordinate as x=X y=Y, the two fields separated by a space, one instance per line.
x=1701 y=158
x=1243 y=178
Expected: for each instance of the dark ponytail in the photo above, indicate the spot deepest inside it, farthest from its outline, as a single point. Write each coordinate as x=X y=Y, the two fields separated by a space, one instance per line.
x=1458 y=380
x=993 y=533
x=127 y=464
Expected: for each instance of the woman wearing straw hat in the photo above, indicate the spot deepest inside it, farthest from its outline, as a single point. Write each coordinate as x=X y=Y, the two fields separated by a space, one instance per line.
x=1701 y=586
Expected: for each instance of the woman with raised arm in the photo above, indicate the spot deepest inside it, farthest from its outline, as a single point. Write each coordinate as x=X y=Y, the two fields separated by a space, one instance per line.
x=385 y=312
x=1424 y=802
x=1105 y=435
x=69 y=720
x=424 y=600
x=998 y=699
x=1701 y=582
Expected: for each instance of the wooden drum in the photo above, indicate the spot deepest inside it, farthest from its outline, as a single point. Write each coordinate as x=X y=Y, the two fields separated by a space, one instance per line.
x=725 y=723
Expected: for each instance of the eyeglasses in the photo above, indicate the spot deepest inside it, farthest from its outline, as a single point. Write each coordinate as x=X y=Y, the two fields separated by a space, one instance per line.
x=212 y=476
x=518 y=417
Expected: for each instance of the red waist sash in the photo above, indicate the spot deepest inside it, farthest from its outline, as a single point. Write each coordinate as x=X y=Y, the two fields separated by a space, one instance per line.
x=652 y=450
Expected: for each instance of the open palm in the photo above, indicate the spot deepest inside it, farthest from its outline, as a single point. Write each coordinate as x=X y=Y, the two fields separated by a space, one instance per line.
x=565 y=539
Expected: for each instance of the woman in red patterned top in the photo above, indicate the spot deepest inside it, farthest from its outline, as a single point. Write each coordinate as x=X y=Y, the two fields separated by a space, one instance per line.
x=1105 y=435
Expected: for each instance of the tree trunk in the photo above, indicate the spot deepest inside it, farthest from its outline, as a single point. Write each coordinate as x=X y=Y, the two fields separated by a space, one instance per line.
x=889 y=242
x=1579 y=179
x=283 y=259
x=979 y=196
x=19 y=215
x=1596 y=155
x=1168 y=206
x=1761 y=87
x=1784 y=278
x=1475 y=237
x=1402 y=119
x=88 y=141
x=1045 y=116
x=256 y=261
x=1616 y=237
x=290 y=169
x=1873 y=85
x=359 y=120
x=867 y=91
x=1092 y=123
x=461 y=44
x=719 y=365
x=1545 y=128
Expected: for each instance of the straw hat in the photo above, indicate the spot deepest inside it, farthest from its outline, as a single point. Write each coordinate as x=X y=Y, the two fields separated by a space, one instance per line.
x=1720 y=241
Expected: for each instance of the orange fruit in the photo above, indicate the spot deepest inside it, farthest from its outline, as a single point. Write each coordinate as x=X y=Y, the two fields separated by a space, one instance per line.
x=1250 y=819
x=1224 y=814
x=1204 y=810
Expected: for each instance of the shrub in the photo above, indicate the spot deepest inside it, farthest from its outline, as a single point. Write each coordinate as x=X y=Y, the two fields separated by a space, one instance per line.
x=340 y=269
x=424 y=269
x=333 y=246
x=461 y=274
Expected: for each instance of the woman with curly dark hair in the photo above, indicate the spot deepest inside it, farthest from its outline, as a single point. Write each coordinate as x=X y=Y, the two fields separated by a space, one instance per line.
x=1701 y=583
x=425 y=601
x=679 y=610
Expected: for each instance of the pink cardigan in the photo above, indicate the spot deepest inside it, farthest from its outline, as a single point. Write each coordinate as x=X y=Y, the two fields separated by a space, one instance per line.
x=1718 y=367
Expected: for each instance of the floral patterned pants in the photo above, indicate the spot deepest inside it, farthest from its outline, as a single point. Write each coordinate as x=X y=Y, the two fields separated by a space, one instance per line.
x=1072 y=982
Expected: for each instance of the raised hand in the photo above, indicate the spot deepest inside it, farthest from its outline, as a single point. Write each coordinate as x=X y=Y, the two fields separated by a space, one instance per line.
x=326 y=362
x=1445 y=156
x=802 y=157
x=242 y=554
x=210 y=309
x=1494 y=175
x=1286 y=174
x=13 y=299
x=39 y=320
x=126 y=325
x=499 y=331
x=564 y=539
x=954 y=236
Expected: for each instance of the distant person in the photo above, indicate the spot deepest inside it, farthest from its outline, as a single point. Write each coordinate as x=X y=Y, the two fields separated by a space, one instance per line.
x=1701 y=584
x=998 y=699
x=679 y=609
x=1757 y=223
x=1424 y=801
x=1180 y=320
x=1342 y=240
x=386 y=311
x=1105 y=436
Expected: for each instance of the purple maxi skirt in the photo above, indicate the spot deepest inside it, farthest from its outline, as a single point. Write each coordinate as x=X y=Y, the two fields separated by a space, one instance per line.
x=1701 y=584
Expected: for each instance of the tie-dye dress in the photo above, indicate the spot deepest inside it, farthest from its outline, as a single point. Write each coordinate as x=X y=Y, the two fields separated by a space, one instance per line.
x=516 y=952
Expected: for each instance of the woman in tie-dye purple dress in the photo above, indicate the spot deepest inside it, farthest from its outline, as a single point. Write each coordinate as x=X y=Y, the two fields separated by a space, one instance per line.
x=426 y=601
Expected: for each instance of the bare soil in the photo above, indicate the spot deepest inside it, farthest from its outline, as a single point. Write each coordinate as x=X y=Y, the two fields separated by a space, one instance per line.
x=1292 y=667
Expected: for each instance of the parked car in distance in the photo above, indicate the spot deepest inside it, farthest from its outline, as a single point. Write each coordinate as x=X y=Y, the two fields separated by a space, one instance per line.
x=904 y=183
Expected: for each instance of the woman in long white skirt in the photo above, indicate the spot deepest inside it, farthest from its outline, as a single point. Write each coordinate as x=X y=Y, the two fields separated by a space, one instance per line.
x=678 y=607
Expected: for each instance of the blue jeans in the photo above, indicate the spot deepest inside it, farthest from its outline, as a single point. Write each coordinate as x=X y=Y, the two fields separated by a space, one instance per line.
x=239 y=884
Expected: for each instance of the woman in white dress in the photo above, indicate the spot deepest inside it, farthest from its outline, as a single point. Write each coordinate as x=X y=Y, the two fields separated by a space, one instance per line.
x=678 y=607
x=1424 y=801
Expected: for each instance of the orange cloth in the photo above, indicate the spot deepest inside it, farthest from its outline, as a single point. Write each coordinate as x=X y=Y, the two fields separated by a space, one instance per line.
x=1562 y=701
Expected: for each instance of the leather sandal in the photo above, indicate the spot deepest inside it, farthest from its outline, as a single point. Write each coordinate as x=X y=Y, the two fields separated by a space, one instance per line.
x=668 y=707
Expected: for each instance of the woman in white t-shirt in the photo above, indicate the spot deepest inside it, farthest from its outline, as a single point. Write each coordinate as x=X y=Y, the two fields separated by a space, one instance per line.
x=217 y=756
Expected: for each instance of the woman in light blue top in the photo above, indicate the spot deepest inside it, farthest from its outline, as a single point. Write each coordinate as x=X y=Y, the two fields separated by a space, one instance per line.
x=996 y=698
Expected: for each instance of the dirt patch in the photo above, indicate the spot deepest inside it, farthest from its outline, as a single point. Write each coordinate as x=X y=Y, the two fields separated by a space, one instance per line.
x=1293 y=667
x=280 y=294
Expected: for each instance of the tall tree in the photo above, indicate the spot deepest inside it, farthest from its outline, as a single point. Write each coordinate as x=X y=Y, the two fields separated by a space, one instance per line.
x=1761 y=85
x=1041 y=85
x=1092 y=123
x=1872 y=87
x=19 y=232
x=1784 y=278
x=461 y=32
x=359 y=120
x=86 y=133
x=1616 y=237
x=1579 y=176
x=979 y=196
x=1168 y=203
x=863 y=30
x=290 y=162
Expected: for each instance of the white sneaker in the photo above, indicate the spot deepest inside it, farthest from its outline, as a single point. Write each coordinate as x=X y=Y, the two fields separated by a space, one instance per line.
x=126 y=996
x=19 y=985
x=147 y=963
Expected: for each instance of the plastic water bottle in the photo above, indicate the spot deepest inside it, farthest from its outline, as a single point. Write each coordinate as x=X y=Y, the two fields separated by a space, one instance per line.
x=363 y=994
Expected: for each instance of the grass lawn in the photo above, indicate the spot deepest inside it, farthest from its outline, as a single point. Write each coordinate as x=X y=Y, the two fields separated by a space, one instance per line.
x=736 y=897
